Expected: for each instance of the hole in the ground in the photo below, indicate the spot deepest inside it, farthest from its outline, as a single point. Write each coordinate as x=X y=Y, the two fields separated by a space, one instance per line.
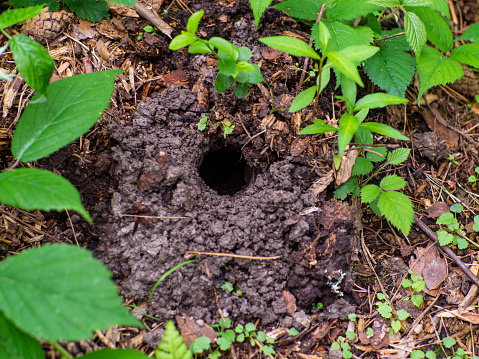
x=225 y=171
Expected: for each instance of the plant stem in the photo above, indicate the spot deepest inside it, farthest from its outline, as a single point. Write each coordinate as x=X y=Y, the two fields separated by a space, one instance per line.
x=319 y=86
x=390 y=15
x=6 y=34
x=62 y=351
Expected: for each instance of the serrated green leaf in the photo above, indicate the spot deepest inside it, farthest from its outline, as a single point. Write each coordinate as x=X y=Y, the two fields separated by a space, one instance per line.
x=350 y=9
x=124 y=2
x=72 y=107
x=456 y=208
x=417 y=354
x=369 y=193
x=91 y=10
x=303 y=9
x=385 y=310
x=471 y=34
x=462 y=243
x=374 y=157
x=342 y=36
x=417 y=300
x=415 y=32
x=258 y=7
x=418 y=2
x=437 y=29
x=378 y=100
x=361 y=167
x=349 y=187
x=364 y=136
x=290 y=45
x=395 y=325
x=431 y=355
x=14 y=16
x=467 y=54
x=33 y=61
x=398 y=209
x=182 y=40
x=15 y=344
x=350 y=335
x=402 y=314
x=194 y=21
x=398 y=156
x=303 y=99
x=32 y=188
x=73 y=293
x=397 y=42
x=385 y=3
x=449 y=342
x=348 y=125
x=392 y=70
x=392 y=183
x=435 y=69
x=383 y=129
x=200 y=344
x=345 y=66
x=115 y=354
x=172 y=345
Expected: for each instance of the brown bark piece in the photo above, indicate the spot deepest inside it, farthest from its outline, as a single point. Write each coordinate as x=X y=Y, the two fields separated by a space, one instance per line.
x=191 y=329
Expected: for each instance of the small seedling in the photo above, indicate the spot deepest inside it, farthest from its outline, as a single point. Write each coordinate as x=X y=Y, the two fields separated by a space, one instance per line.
x=451 y=231
x=417 y=284
x=473 y=179
x=343 y=346
x=386 y=311
x=227 y=127
x=293 y=332
x=318 y=305
x=149 y=29
x=227 y=286
x=172 y=345
x=453 y=160
x=233 y=62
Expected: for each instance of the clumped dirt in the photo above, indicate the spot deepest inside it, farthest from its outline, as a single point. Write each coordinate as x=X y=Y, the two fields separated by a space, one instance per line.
x=274 y=214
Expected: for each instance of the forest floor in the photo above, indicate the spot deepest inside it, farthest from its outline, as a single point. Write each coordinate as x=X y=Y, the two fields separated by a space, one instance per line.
x=157 y=187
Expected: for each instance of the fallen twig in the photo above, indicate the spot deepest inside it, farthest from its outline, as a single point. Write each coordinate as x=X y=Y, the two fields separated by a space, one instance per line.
x=189 y=254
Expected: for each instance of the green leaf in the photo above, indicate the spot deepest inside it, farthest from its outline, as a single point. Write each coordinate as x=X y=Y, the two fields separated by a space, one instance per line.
x=437 y=29
x=369 y=193
x=240 y=90
x=374 y=157
x=15 y=344
x=316 y=128
x=183 y=40
x=398 y=156
x=415 y=32
x=172 y=346
x=325 y=77
x=303 y=9
x=364 y=136
x=73 y=293
x=72 y=107
x=359 y=53
x=303 y=99
x=32 y=188
x=33 y=61
x=446 y=219
x=244 y=53
x=417 y=300
x=350 y=335
x=258 y=7
x=350 y=10
x=250 y=327
x=342 y=36
x=194 y=21
x=418 y=2
x=391 y=69
x=240 y=338
x=456 y=208
x=261 y=336
x=115 y=354
x=223 y=82
x=345 y=66
x=197 y=47
x=348 y=125
x=324 y=34
x=14 y=16
x=402 y=314
x=398 y=210
x=449 y=342
x=290 y=45
x=335 y=346
x=200 y=344
x=406 y=283
x=462 y=243
x=378 y=100
x=383 y=129
x=250 y=77
x=362 y=167
x=417 y=354
x=268 y=350
x=435 y=69
x=225 y=46
x=392 y=183
x=227 y=67
x=471 y=34
x=395 y=325
x=351 y=186
x=223 y=343
x=385 y=3
x=385 y=310
x=431 y=355
x=91 y=10
x=349 y=90
x=467 y=54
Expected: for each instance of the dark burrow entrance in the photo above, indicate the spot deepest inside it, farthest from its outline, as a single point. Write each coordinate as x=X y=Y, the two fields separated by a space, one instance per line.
x=225 y=170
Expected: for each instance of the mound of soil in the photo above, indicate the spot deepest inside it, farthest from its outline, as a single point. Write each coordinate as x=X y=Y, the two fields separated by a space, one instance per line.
x=226 y=204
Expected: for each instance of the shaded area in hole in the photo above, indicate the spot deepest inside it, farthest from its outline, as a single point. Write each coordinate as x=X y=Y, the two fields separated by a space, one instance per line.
x=225 y=171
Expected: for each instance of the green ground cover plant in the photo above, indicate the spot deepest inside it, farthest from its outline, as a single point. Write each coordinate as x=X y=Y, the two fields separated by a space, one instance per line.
x=233 y=62
x=452 y=232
